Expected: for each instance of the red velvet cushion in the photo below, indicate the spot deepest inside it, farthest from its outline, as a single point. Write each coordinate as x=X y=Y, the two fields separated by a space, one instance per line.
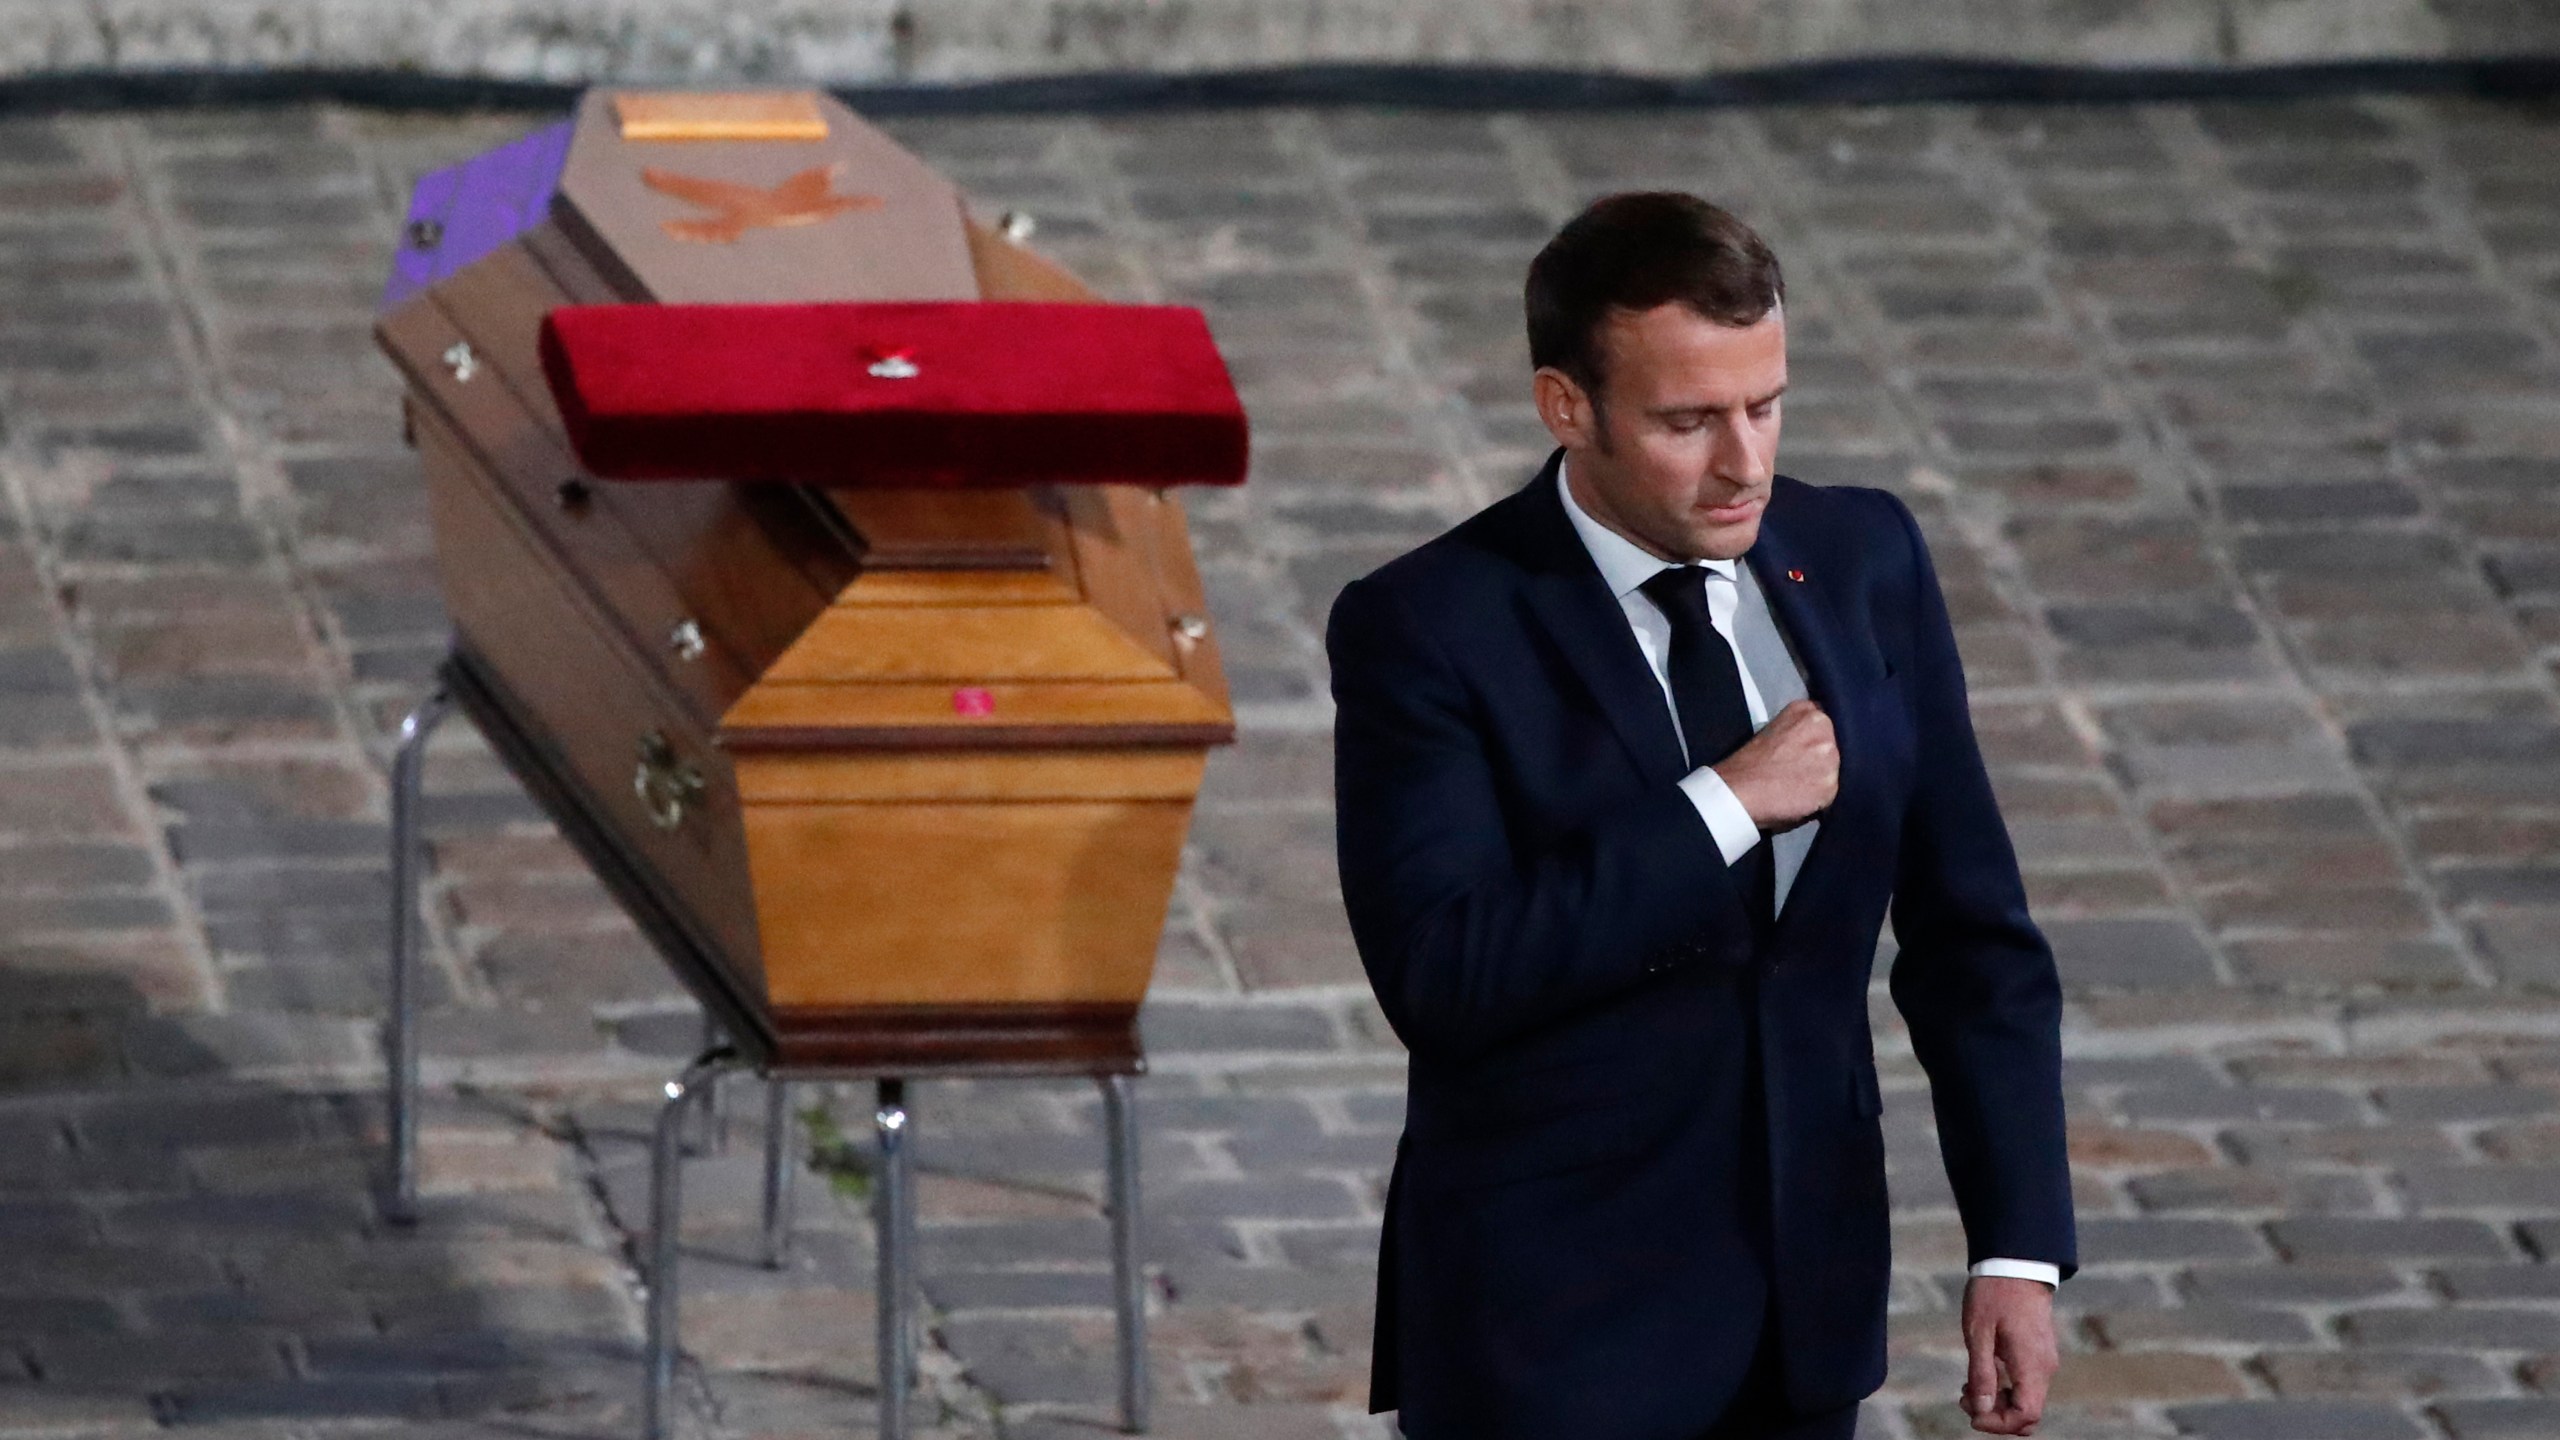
x=1000 y=394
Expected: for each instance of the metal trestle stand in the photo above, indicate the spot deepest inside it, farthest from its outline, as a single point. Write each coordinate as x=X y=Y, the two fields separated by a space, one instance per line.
x=696 y=1088
x=400 y=1039
x=894 y=1222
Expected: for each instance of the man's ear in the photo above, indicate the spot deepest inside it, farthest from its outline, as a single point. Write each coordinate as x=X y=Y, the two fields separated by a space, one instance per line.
x=1566 y=409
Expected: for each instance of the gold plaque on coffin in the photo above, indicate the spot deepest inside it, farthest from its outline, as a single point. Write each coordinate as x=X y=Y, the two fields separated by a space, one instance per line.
x=736 y=115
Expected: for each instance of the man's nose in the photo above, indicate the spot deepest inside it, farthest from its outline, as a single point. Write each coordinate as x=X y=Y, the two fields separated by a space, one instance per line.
x=1738 y=458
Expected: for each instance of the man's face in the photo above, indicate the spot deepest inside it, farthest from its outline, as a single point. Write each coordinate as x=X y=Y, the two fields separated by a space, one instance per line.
x=1680 y=455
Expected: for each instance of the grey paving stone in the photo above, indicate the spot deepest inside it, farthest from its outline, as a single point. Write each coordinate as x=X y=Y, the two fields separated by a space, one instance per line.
x=2234 y=1189
x=42 y=720
x=1021 y=1360
x=2156 y=641
x=1384 y=1111
x=331 y=1356
x=2525 y=944
x=1276 y=1197
x=1264 y=1150
x=29 y=1316
x=56 y=1172
x=2296 y=1420
x=216 y=1218
x=2159 y=1238
x=997 y=1156
x=2130 y=953
x=2335 y=960
x=2318 y=1237
x=146 y=1363
x=2352 y=501
x=2197 y=1324
x=2298 y=1281
x=594 y=1313
x=2453 y=741
x=2477 y=1282
x=2359 y=1145
x=2501 y=884
x=392 y=1397
x=1332 y=1247
x=1020 y=1289
x=31 y=1221
x=242 y=1116
x=2510 y=1188
x=2265 y=1104
x=1259 y=1115
x=1176 y=1026
x=81 y=866
x=2504 y=1418
x=35 y=915
x=2456 y=1328
x=1268 y=1287
x=308 y=1313
x=2379 y=1373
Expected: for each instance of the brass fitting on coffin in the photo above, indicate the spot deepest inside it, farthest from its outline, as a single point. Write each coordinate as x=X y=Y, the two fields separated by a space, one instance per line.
x=669 y=787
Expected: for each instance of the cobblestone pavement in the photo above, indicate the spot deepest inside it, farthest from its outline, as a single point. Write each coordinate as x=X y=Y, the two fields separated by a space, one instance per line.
x=2233 y=433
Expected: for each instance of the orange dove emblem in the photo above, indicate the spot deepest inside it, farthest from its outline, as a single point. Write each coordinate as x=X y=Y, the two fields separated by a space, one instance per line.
x=804 y=199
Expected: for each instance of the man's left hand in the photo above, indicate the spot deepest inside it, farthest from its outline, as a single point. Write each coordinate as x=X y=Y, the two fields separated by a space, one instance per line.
x=2010 y=1350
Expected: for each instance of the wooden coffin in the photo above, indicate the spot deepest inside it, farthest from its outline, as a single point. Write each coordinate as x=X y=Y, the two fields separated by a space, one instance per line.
x=897 y=780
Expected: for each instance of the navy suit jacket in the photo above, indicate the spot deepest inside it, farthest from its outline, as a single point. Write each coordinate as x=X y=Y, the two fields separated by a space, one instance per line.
x=1550 y=929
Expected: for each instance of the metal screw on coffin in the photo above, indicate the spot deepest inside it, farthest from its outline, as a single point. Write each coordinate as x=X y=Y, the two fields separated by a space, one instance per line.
x=462 y=360
x=686 y=640
x=425 y=234
x=1193 y=628
x=1016 y=226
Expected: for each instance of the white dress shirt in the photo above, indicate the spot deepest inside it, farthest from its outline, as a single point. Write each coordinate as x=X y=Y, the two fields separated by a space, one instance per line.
x=1624 y=567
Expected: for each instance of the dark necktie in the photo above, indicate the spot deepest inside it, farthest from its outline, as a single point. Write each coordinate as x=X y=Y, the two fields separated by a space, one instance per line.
x=1706 y=688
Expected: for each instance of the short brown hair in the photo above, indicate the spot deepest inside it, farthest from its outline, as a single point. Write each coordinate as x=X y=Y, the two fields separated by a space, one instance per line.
x=1634 y=251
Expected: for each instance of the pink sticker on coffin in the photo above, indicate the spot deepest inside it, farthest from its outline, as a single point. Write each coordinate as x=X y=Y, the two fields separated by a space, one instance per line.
x=973 y=700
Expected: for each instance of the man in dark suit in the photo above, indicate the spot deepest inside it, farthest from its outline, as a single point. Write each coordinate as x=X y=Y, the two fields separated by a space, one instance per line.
x=1629 y=768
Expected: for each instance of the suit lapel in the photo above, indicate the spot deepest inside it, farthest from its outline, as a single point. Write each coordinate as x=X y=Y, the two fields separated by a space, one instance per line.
x=1590 y=627
x=1573 y=605
x=1803 y=609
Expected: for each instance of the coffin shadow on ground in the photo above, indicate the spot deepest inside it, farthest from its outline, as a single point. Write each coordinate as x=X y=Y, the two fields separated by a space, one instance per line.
x=205 y=1249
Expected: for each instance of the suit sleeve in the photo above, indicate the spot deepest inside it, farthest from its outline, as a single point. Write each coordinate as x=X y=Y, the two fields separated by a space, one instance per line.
x=1468 y=940
x=1974 y=978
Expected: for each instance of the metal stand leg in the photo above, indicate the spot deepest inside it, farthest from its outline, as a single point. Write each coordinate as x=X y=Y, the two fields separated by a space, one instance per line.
x=400 y=1203
x=778 y=1171
x=1128 y=1271
x=893 y=1216
x=666 y=1222
x=714 y=1138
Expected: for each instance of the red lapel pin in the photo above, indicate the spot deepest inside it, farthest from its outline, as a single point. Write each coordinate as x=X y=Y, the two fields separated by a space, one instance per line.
x=1796 y=575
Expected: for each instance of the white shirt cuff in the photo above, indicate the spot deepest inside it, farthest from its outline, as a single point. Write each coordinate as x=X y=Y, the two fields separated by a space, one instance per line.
x=1735 y=831
x=2050 y=1274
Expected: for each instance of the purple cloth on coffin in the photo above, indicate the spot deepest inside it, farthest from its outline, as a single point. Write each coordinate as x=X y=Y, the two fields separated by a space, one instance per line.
x=473 y=208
